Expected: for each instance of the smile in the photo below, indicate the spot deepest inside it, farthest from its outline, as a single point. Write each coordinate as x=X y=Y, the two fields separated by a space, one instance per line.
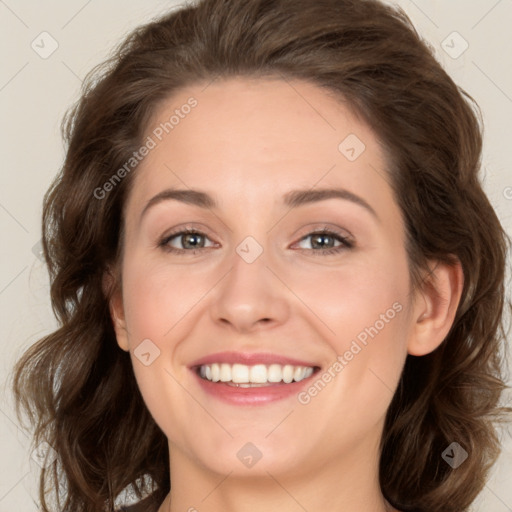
x=259 y=375
x=244 y=378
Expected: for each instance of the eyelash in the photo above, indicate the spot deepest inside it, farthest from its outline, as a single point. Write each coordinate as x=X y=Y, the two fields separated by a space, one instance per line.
x=345 y=242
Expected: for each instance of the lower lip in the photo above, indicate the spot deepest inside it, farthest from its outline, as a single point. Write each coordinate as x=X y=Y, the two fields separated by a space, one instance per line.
x=252 y=396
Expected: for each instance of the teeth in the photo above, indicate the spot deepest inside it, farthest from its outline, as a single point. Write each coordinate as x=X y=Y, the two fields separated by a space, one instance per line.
x=239 y=373
x=275 y=373
x=225 y=372
x=215 y=372
x=244 y=376
x=258 y=374
x=288 y=373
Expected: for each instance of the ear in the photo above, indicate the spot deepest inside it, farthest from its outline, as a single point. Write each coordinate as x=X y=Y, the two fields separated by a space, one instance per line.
x=115 y=297
x=435 y=307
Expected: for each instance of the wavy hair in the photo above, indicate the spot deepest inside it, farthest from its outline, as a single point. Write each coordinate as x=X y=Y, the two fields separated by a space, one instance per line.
x=77 y=386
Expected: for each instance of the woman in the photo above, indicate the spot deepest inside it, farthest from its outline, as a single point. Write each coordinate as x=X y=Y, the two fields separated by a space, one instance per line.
x=280 y=283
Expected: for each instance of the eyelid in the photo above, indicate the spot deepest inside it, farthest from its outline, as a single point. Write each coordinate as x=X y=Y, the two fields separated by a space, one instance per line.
x=313 y=228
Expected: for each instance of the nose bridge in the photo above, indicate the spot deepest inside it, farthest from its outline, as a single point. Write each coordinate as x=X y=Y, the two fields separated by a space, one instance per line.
x=249 y=294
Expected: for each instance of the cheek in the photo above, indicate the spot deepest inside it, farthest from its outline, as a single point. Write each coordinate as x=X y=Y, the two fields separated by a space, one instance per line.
x=156 y=303
x=365 y=308
x=368 y=346
x=157 y=297
x=369 y=294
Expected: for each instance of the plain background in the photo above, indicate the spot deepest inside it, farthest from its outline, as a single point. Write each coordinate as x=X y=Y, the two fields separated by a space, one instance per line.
x=35 y=92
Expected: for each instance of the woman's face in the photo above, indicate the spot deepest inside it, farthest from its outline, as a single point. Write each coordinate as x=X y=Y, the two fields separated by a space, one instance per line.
x=295 y=264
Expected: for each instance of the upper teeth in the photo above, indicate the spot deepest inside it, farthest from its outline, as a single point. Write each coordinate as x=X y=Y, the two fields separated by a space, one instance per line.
x=257 y=374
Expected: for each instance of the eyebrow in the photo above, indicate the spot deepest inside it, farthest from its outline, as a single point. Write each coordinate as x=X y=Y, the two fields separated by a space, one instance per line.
x=292 y=199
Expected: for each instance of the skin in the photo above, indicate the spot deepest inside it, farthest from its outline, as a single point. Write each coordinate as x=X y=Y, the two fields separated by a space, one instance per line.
x=247 y=143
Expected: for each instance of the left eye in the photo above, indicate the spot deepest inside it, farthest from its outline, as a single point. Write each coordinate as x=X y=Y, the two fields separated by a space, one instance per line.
x=326 y=240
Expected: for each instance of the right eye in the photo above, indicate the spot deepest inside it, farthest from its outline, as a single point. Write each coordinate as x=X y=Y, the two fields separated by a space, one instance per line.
x=189 y=239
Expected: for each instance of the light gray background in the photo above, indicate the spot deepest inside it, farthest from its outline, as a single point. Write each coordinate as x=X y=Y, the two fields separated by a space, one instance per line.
x=35 y=92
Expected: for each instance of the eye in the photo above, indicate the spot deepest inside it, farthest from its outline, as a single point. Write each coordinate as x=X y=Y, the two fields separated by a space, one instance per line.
x=323 y=242
x=188 y=239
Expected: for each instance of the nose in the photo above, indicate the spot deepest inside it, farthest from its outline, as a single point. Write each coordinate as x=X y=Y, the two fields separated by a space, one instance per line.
x=250 y=297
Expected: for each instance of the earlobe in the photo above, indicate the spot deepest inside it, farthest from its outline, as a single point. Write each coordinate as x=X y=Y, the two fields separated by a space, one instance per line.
x=116 y=308
x=436 y=307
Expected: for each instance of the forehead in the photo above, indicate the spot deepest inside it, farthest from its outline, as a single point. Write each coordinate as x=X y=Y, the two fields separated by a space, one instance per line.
x=256 y=134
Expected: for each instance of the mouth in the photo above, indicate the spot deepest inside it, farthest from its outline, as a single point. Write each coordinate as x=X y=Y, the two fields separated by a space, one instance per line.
x=258 y=375
x=252 y=379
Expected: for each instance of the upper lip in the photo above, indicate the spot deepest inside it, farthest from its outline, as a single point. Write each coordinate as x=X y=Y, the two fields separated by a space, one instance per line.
x=250 y=358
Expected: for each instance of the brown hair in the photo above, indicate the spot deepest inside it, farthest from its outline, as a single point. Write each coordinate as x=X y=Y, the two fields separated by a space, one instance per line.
x=78 y=386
